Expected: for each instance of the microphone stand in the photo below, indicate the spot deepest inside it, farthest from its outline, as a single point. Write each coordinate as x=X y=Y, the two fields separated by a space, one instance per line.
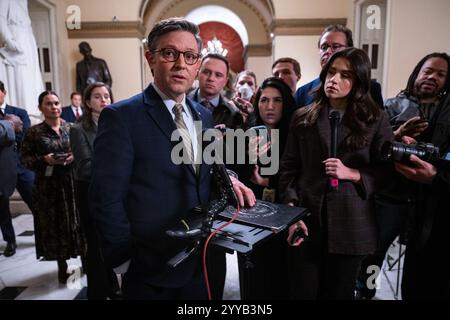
x=202 y=229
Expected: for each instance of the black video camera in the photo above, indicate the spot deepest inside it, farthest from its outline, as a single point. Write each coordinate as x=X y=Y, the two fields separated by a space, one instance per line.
x=400 y=152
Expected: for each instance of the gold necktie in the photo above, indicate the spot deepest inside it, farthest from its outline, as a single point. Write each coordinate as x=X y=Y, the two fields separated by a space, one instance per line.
x=184 y=132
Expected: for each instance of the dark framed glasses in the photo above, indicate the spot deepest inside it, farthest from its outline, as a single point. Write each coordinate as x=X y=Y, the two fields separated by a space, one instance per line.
x=172 y=55
x=333 y=46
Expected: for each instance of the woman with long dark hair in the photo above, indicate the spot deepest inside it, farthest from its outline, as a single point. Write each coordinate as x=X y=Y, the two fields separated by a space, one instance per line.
x=341 y=229
x=273 y=108
x=102 y=281
x=46 y=150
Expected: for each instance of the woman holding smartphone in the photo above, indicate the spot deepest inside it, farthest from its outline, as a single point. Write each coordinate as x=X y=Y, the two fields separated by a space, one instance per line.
x=341 y=228
x=46 y=151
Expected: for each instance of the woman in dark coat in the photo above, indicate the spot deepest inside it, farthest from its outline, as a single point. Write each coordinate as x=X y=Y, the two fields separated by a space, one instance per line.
x=46 y=151
x=342 y=227
x=101 y=280
x=273 y=107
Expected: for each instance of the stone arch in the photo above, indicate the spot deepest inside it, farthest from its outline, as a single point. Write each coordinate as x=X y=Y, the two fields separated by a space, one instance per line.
x=256 y=15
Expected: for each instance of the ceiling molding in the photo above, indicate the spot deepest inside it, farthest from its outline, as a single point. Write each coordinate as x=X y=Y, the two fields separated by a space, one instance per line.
x=108 y=29
x=259 y=50
x=303 y=27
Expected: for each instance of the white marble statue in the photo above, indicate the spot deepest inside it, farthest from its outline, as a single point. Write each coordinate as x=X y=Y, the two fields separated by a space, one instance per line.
x=19 y=65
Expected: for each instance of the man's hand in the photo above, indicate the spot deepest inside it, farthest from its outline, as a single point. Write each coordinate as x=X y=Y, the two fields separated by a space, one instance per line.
x=256 y=178
x=413 y=127
x=255 y=150
x=246 y=107
x=244 y=194
x=421 y=171
x=299 y=225
x=15 y=121
x=408 y=140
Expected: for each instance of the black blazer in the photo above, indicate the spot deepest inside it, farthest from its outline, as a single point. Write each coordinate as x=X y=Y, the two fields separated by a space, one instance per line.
x=68 y=115
x=137 y=192
x=82 y=143
x=8 y=173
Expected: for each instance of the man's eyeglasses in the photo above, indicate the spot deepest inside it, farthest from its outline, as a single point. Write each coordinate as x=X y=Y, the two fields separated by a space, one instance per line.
x=172 y=55
x=333 y=46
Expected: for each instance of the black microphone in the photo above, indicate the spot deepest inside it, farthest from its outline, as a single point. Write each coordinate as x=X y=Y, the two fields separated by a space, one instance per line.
x=334 y=118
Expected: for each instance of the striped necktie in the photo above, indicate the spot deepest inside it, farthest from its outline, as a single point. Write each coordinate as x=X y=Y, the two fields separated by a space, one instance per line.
x=208 y=105
x=184 y=132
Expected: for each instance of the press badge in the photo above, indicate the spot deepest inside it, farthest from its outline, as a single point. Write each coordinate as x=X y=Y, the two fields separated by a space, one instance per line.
x=268 y=195
x=49 y=171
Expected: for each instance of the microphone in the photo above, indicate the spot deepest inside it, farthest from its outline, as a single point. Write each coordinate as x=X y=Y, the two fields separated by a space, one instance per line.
x=334 y=118
x=227 y=184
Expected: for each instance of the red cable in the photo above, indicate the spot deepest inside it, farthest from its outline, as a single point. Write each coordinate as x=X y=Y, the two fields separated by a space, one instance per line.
x=205 y=271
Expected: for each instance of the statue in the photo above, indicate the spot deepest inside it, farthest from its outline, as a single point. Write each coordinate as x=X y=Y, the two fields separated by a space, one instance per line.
x=91 y=69
x=19 y=63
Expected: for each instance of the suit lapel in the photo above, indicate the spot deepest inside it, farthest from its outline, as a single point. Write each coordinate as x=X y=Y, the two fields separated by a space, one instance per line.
x=345 y=132
x=324 y=130
x=158 y=112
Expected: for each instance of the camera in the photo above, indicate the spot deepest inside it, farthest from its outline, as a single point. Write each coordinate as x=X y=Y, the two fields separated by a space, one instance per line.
x=400 y=152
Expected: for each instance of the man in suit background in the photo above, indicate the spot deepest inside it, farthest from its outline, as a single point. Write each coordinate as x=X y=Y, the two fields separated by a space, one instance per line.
x=212 y=78
x=288 y=70
x=334 y=38
x=8 y=175
x=137 y=190
x=25 y=177
x=73 y=112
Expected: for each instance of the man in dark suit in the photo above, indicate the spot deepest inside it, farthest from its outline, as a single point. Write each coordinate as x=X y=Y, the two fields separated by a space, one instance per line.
x=25 y=177
x=333 y=38
x=73 y=112
x=138 y=191
x=8 y=176
x=212 y=78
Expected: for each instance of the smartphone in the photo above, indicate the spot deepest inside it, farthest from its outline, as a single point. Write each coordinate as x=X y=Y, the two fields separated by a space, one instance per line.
x=60 y=156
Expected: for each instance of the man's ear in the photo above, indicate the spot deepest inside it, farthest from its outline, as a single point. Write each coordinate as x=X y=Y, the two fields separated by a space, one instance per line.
x=150 y=57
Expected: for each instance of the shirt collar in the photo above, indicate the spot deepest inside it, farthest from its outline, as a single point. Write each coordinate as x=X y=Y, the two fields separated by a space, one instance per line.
x=214 y=101
x=169 y=102
x=3 y=106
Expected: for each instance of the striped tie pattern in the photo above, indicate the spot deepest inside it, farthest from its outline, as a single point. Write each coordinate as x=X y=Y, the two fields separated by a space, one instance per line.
x=184 y=132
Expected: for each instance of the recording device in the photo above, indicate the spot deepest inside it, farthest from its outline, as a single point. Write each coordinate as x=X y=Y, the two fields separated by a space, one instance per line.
x=334 y=118
x=400 y=152
x=60 y=156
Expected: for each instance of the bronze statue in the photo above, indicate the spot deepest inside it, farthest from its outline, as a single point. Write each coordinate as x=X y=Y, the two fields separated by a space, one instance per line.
x=91 y=69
